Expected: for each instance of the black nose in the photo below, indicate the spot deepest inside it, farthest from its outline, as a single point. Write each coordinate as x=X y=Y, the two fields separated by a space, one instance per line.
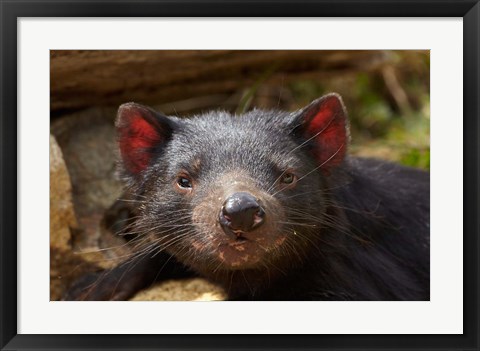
x=241 y=212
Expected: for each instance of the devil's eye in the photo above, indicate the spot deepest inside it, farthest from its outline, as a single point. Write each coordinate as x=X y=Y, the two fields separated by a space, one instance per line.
x=288 y=178
x=184 y=182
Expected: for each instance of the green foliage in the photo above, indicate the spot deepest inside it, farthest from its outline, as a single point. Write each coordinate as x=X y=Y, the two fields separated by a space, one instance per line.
x=417 y=158
x=305 y=91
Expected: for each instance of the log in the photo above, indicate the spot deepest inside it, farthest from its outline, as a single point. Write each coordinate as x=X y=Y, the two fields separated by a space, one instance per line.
x=82 y=79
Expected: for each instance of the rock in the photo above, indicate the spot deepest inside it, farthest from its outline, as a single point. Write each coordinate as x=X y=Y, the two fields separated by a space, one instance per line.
x=87 y=140
x=62 y=215
x=182 y=290
x=65 y=265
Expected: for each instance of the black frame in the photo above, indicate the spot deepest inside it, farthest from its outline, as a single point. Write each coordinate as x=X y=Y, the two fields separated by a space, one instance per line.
x=11 y=10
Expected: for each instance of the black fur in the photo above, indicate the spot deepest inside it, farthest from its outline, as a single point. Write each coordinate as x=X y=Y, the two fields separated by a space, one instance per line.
x=359 y=231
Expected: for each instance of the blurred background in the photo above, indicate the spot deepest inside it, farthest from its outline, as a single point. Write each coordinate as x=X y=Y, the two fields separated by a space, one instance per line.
x=386 y=94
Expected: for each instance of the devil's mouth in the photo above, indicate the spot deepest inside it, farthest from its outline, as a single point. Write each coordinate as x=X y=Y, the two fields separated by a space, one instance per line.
x=239 y=240
x=245 y=253
x=240 y=253
x=241 y=244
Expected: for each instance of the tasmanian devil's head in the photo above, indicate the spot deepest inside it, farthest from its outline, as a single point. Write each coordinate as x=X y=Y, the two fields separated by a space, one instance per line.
x=229 y=192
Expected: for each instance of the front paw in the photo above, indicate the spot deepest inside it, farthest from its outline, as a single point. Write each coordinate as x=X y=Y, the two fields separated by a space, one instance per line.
x=99 y=286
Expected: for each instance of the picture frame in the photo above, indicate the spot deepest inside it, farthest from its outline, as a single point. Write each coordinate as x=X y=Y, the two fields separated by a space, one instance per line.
x=11 y=11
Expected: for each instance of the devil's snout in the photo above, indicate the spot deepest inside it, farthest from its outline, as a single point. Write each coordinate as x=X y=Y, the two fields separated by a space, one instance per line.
x=241 y=212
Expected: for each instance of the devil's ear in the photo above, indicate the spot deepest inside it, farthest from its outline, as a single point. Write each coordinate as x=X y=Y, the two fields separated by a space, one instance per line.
x=141 y=131
x=323 y=127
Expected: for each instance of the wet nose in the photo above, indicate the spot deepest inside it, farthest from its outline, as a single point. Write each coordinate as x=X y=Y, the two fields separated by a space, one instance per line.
x=241 y=212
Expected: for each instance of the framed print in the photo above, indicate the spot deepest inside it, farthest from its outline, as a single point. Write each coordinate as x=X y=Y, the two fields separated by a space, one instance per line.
x=243 y=200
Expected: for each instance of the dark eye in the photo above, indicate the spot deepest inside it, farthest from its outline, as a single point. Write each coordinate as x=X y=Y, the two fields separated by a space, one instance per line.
x=288 y=178
x=184 y=182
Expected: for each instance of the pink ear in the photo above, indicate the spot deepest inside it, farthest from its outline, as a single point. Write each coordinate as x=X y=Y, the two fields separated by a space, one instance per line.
x=324 y=124
x=139 y=129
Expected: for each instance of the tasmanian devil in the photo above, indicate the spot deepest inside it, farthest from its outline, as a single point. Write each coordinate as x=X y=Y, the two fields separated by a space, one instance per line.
x=268 y=205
